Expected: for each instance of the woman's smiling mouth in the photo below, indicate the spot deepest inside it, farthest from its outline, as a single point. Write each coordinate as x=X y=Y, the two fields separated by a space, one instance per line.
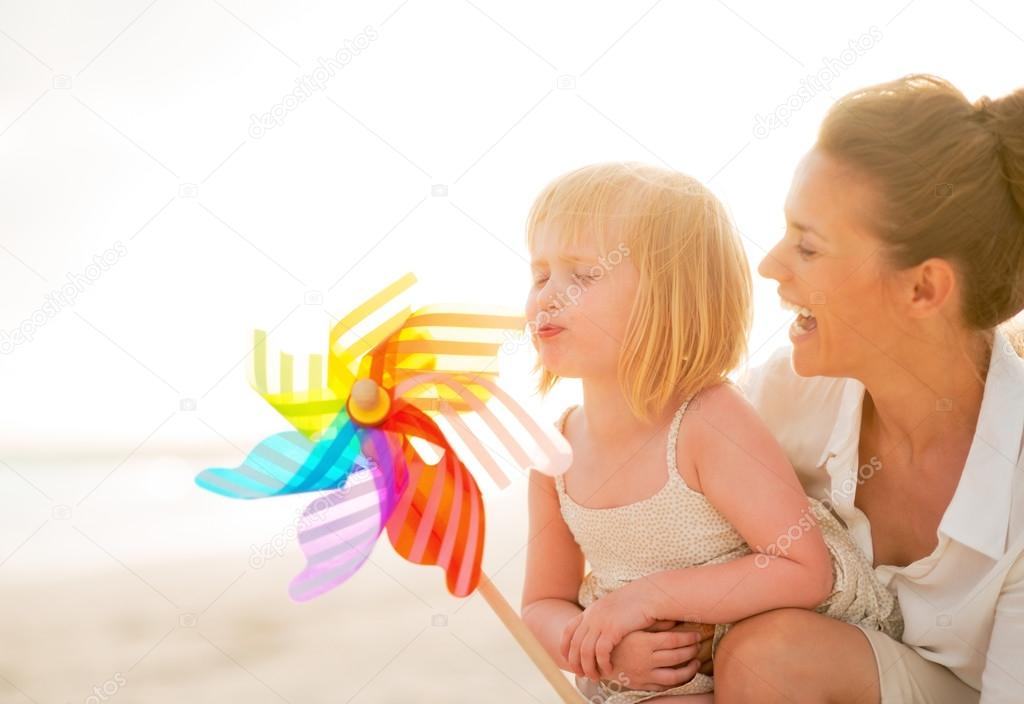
x=805 y=322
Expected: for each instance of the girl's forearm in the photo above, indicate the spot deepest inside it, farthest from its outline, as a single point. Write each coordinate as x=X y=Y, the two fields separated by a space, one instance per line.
x=733 y=590
x=547 y=619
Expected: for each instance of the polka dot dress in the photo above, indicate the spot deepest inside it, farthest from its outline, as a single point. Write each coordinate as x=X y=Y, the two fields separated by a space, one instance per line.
x=678 y=527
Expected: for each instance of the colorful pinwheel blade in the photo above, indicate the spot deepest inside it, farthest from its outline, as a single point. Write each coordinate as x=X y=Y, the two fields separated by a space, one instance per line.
x=265 y=472
x=445 y=339
x=337 y=532
x=439 y=518
x=288 y=463
x=505 y=434
x=311 y=409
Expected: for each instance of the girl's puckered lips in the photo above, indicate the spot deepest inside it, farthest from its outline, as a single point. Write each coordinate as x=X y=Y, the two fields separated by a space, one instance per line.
x=548 y=331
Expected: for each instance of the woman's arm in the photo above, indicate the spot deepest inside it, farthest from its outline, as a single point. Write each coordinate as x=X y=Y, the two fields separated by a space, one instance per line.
x=746 y=476
x=554 y=568
x=1001 y=680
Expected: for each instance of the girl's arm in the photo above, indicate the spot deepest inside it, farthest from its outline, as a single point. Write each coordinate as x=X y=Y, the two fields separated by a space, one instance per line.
x=746 y=476
x=554 y=569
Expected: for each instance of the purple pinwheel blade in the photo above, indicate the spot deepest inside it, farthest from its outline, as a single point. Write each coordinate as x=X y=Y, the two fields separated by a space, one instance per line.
x=337 y=532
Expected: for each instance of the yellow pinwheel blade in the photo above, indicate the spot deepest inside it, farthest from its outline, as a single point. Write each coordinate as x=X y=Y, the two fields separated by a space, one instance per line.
x=312 y=408
x=449 y=339
x=453 y=341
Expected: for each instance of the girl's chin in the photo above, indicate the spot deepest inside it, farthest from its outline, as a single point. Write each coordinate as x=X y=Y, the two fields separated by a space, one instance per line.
x=559 y=368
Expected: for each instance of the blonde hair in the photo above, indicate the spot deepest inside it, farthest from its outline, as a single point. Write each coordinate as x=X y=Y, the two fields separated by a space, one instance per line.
x=692 y=312
x=950 y=176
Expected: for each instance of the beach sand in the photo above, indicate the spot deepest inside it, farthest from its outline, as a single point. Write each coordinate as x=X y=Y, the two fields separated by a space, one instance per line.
x=147 y=590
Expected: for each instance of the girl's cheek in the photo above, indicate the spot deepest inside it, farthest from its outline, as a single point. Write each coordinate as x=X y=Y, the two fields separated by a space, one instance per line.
x=531 y=304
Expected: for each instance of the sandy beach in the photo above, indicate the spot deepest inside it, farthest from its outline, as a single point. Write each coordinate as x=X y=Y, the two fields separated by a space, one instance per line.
x=151 y=590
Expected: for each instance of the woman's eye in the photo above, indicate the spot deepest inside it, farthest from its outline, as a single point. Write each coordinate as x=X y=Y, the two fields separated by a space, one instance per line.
x=539 y=280
x=804 y=252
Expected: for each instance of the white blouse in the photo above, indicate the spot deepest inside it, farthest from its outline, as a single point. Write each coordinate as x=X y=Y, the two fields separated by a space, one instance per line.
x=963 y=605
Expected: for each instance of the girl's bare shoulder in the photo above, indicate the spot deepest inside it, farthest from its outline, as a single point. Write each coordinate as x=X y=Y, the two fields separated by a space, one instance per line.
x=717 y=411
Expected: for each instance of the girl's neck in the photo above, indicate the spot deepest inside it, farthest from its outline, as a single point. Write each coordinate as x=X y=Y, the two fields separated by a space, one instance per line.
x=609 y=424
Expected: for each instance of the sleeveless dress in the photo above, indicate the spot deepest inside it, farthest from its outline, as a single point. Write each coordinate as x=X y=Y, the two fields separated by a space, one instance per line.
x=678 y=527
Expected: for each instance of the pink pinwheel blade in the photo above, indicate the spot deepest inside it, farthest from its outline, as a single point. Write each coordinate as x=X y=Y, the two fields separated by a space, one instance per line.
x=338 y=531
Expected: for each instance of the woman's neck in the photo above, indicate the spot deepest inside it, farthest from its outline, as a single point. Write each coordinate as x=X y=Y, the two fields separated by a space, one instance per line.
x=926 y=396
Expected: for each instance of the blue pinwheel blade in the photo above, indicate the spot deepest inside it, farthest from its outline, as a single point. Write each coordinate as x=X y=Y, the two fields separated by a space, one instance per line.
x=288 y=463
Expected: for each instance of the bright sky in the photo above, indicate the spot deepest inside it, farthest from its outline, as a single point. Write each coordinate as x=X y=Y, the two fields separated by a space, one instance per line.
x=128 y=132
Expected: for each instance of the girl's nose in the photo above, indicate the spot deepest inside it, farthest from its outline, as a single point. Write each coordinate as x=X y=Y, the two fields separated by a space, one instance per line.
x=547 y=299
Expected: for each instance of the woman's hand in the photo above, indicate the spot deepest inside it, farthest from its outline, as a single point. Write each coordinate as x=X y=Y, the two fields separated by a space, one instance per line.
x=706 y=635
x=666 y=655
x=588 y=640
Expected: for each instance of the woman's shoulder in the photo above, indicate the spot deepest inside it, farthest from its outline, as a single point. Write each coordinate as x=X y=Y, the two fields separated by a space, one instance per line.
x=800 y=411
x=774 y=386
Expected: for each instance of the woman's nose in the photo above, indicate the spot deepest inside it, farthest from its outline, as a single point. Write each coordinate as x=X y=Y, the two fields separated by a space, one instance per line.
x=771 y=267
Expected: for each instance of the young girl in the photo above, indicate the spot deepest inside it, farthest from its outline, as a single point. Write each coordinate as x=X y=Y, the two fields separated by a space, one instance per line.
x=678 y=497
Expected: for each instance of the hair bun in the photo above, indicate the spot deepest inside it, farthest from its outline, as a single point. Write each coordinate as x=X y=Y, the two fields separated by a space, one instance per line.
x=915 y=132
x=1005 y=118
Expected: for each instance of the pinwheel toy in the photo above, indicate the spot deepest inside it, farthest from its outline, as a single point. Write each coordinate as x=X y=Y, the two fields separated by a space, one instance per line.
x=365 y=440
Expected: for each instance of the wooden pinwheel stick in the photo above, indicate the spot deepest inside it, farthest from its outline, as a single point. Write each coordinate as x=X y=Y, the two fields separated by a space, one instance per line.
x=369 y=404
x=527 y=641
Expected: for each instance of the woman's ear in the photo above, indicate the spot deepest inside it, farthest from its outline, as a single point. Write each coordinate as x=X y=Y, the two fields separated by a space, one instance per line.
x=931 y=287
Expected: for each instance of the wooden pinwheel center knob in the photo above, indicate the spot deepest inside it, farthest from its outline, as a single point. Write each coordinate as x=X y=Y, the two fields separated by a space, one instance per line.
x=368 y=404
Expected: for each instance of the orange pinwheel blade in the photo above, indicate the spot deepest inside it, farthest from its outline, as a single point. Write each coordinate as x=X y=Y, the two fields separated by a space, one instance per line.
x=439 y=518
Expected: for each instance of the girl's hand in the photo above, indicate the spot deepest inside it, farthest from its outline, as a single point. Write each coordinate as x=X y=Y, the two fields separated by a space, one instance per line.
x=588 y=640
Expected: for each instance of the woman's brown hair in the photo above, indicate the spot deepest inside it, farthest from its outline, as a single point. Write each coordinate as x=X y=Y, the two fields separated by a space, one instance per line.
x=950 y=174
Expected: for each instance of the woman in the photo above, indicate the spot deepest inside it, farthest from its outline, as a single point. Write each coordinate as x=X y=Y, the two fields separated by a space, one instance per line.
x=901 y=401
